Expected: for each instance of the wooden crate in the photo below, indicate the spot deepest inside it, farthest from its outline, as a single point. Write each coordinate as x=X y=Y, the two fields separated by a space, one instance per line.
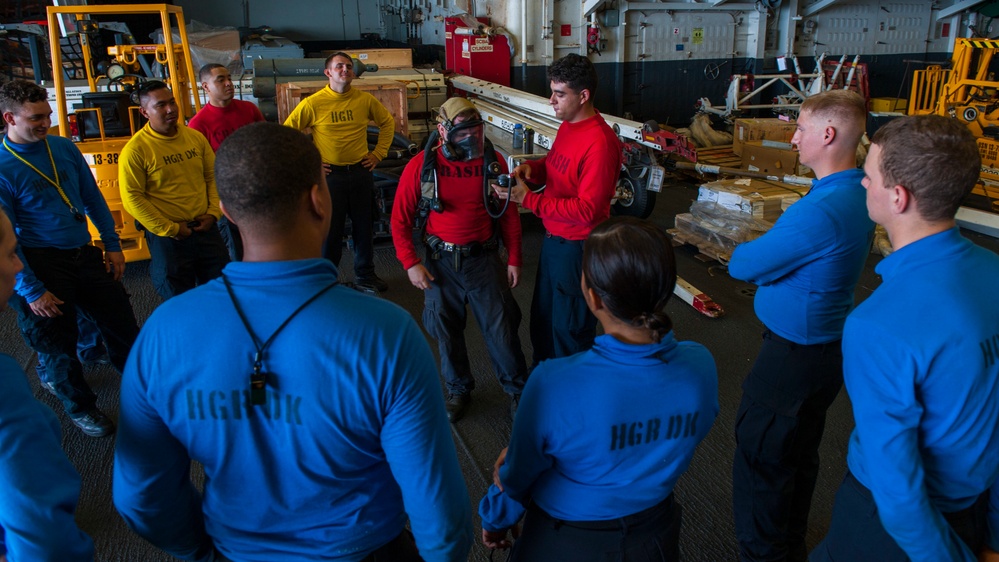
x=747 y=130
x=391 y=93
x=761 y=199
x=384 y=58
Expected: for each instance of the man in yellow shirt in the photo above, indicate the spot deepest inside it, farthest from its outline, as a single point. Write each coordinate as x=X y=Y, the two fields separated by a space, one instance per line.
x=167 y=180
x=339 y=117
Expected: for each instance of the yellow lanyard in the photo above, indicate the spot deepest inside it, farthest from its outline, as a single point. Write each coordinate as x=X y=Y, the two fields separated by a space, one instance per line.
x=55 y=183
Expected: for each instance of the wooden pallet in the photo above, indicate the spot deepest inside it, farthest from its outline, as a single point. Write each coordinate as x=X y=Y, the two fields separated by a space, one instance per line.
x=707 y=251
x=719 y=156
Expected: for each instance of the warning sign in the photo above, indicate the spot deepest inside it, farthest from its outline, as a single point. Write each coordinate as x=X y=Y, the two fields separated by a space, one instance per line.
x=698 y=36
x=989 y=152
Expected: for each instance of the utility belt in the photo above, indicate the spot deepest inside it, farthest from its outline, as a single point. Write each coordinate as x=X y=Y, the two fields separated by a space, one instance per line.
x=437 y=247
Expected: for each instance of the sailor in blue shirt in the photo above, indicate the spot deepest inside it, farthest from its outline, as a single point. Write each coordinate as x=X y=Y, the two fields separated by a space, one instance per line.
x=39 y=487
x=921 y=362
x=48 y=191
x=315 y=409
x=596 y=482
x=807 y=267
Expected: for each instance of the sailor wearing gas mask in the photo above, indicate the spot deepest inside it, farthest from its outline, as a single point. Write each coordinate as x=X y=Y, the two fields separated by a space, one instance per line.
x=445 y=192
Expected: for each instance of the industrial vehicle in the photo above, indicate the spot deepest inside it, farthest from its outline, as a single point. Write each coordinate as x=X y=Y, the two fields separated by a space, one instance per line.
x=967 y=91
x=109 y=115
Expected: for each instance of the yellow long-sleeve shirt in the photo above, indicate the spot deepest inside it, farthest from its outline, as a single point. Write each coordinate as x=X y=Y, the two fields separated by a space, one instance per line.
x=166 y=180
x=339 y=124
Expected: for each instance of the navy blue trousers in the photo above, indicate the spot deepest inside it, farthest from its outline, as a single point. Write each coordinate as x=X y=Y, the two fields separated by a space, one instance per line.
x=233 y=240
x=481 y=284
x=561 y=323
x=857 y=535
x=353 y=194
x=778 y=429
x=78 y=278
x=652 y=535
x=180 y=265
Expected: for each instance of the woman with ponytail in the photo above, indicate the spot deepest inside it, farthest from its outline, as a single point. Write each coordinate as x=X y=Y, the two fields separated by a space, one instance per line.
x=601 y=437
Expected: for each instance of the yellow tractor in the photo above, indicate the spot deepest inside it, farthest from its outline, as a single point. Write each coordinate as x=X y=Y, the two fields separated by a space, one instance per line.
x=969 y=92
x=109 y=116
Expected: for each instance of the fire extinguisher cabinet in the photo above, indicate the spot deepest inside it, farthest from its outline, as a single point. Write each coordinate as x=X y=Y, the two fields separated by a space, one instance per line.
x=472 y=53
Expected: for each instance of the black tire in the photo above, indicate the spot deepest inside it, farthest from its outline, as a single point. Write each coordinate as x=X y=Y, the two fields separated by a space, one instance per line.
x=640 y=204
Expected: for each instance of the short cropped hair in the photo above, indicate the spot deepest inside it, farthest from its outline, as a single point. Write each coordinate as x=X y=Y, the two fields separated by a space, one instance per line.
x=841 y=106
x=330 y=58
x=206 y=71
x=935 y=158
x=629 y=263
x=262 y=171
x=146 y=88
x=575 y=71
x=16 y=93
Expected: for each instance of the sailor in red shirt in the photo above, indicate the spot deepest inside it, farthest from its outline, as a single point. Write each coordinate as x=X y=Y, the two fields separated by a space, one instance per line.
x=218 y=119
x=580 y=173
x=445 y=186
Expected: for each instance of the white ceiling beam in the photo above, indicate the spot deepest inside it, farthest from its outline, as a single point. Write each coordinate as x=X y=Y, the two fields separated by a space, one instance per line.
x=957 y=8
x=588 y=6
x=686 y=6
x=817 y=7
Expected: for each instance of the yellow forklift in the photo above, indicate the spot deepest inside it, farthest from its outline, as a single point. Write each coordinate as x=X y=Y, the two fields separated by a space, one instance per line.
x=109 y=115
x=969 y=92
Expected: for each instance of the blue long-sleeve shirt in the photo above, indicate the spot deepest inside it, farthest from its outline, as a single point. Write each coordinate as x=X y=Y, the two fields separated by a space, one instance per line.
x=39 y=488
x=921 y=365
x=807 y=266
x=353 y=435
x=646 y=409
x=40 y=216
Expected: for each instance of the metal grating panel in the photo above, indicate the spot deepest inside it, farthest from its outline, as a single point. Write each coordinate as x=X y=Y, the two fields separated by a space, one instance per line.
x=902 y=28
x=661 y=36
x=870 y=28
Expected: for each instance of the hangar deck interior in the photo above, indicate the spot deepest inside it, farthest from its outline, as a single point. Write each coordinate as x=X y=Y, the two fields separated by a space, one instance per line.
x=704 y=491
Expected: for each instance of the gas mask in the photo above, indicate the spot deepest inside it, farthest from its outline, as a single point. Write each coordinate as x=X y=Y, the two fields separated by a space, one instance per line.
x=464 y=140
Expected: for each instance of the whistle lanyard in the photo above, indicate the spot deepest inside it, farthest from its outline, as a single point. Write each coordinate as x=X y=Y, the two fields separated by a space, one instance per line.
x=55 y=182
x=258 y=378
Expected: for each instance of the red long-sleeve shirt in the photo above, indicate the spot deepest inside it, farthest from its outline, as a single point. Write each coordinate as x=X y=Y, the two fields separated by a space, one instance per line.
x=580 y=172
x=464 y=219
x=217 y=123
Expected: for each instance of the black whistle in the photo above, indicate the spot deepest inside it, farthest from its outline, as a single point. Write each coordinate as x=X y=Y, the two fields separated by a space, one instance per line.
x=258 y=389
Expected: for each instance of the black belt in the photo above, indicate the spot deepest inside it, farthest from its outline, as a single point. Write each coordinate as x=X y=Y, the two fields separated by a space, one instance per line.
x=617 y=524
x=347 y=168
x=473 y=249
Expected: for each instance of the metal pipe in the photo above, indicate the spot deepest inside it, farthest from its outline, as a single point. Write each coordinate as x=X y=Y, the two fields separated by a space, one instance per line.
x=523 y=44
